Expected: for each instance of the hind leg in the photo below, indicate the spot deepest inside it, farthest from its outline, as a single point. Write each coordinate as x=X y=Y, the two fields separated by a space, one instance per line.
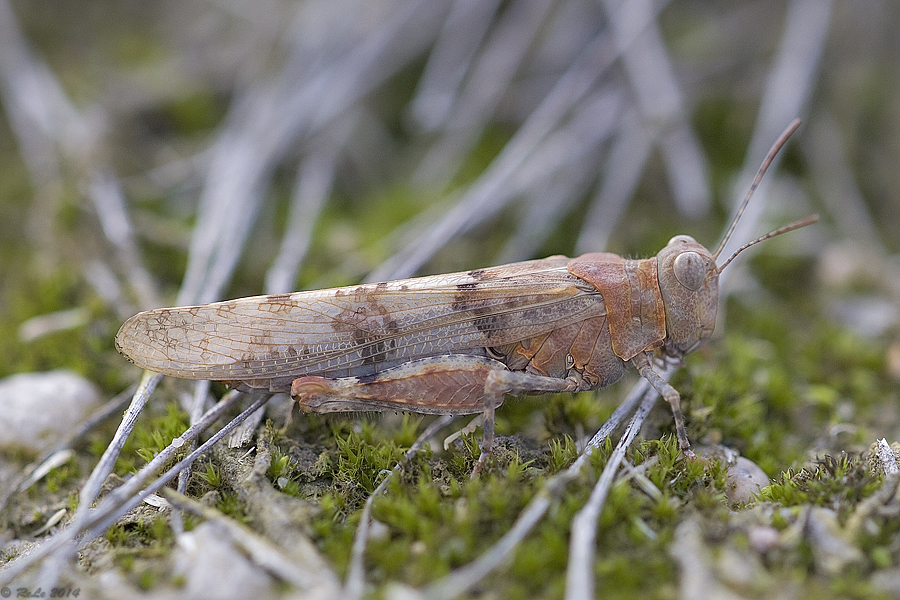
x=451 y=384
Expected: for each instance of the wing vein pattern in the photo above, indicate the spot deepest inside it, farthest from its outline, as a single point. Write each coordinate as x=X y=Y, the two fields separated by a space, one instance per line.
x=358 y=330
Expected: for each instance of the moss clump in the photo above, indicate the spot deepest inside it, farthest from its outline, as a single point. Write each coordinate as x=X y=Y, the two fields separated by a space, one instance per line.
x=837 y=483
x=153 y=432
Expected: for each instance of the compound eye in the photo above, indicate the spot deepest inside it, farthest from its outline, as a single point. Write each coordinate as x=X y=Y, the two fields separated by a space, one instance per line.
x=690 y=270
x=681 y=239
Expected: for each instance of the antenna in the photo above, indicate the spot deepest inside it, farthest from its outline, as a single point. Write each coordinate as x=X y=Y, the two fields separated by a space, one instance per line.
x=776 y=148
x=795 y=225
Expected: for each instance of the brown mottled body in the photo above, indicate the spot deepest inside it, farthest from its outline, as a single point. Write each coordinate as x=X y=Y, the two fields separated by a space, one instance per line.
x=455 y=343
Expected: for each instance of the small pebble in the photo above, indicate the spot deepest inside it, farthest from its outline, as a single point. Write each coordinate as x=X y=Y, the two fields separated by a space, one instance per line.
x=213 y=568
x=40 y=409
x=763 y=538
x=745 y=478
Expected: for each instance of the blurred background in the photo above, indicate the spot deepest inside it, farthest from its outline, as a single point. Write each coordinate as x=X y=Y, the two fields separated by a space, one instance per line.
x=183 y=152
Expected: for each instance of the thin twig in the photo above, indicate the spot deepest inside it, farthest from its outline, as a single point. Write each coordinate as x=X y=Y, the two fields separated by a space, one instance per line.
x=621 y=176
x=449 y=60
x=490 y=78
x=790 y=84
x=356 y=576
x=129 y=494
x=104 y=467
x=271 y=118
x=660 y=101
x=466 y=577
x=198 y=407
x=580 y=570
x=263 y=552
x=33 y=473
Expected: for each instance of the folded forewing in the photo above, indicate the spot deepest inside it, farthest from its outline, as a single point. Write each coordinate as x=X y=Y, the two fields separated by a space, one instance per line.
x=359 y=329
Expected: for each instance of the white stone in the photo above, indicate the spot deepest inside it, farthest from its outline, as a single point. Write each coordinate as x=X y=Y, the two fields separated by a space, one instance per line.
x=214 y=569
x=37 y=410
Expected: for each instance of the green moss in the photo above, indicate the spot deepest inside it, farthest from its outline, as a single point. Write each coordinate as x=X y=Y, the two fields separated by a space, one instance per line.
x=574 y=414
x=563 y=452
x=837 y=483
x=435 y=527
x=61 y=477
x=140 y=538
x=212 y=477
x=280 y=463
x=153 y=432
x=772 y=385
x=138 y=547
x=194 y=113
x=361 y=462
x=84 y=349
x=440 y=520
x=230 y=504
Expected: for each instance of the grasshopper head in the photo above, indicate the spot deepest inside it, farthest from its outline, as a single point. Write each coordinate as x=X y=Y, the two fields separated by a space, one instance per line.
x=689 y=277
x=689 y=282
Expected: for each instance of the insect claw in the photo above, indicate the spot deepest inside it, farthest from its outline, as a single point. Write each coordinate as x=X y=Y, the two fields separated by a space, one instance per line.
x=473 y=425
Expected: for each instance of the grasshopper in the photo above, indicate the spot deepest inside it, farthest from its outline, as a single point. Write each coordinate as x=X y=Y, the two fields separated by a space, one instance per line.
x=457 y=343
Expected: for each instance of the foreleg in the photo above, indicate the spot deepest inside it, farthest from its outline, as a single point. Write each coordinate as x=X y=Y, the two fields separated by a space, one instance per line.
x=644 y=366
